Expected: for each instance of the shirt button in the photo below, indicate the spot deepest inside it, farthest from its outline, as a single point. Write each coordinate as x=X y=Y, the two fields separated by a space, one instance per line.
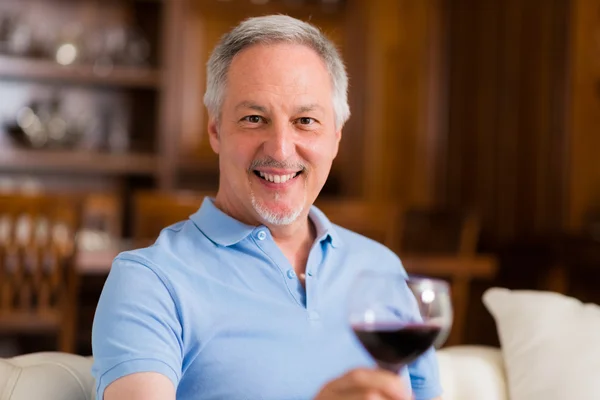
x=261 y=235
x=291 y=274
x=313 y=315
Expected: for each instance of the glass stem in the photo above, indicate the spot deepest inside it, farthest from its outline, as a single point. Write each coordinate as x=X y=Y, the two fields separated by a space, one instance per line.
x=393 y=368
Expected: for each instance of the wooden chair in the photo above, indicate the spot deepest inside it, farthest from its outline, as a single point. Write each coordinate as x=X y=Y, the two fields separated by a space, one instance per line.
x=155 y=210
x=443 y=244
x=373 y=220
x=439 y=232
x=38 y=282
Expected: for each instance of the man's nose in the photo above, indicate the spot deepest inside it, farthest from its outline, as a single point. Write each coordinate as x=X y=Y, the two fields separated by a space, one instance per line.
x=279 y=143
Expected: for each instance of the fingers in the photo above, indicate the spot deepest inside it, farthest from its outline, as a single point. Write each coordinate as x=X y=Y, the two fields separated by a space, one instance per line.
x=364 y=396
x=374 y=384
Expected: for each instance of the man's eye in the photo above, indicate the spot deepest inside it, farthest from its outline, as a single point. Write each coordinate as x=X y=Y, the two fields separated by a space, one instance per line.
x=253 y=119
x=306 y=121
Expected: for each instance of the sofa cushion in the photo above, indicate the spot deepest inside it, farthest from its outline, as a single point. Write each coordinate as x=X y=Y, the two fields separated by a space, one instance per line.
x=472 y=373
x=550 y=344
x=466 y=372
x=48 y=376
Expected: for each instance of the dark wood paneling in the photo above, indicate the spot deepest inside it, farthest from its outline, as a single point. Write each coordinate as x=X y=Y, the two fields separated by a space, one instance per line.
x=584 y=112
x=506 y=136
x=404 y=113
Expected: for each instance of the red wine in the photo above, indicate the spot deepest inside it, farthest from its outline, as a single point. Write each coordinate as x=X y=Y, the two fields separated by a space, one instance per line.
x=393 y=345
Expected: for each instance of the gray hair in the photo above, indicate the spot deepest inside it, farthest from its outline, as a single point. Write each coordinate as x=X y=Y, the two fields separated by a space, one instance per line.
x=268 y=30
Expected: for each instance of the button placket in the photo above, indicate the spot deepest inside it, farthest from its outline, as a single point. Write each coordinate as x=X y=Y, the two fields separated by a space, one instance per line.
x=277 y=258
x=317 y=259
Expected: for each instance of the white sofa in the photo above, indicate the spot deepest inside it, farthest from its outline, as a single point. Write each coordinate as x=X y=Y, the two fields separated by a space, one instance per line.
x=472 y=373
x=467 y=373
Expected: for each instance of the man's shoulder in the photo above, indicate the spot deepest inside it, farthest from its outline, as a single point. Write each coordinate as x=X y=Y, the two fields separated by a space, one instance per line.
x=176 y=247
x=355 y=242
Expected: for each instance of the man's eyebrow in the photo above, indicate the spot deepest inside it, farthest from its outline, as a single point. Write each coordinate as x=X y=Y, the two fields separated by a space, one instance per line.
x=252 y=106
x=308 y=108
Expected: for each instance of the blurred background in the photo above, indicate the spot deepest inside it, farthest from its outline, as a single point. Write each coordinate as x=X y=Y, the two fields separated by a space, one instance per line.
x=471 y=151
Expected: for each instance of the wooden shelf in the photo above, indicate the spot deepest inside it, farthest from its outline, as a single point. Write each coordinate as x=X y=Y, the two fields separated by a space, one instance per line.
x=77 y=162
x=187 y=164
x=46 y=70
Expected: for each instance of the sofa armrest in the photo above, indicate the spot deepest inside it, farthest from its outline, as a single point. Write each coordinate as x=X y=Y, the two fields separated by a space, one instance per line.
x=49 y=376
x=472 y=373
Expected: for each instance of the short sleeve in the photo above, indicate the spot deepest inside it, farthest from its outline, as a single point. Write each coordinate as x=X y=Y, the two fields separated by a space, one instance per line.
x=136 y=326
x=425 y=377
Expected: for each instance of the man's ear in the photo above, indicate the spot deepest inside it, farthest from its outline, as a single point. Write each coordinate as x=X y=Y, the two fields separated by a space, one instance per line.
x=213 y=134
x=338 y=137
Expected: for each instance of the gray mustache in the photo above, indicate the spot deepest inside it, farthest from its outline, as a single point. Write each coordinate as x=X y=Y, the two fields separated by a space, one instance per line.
x=272 y=163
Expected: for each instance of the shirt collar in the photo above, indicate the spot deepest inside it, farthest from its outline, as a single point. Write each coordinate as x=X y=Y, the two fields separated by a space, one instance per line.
x=325 y=229
x=227 y=231
x=218 y=226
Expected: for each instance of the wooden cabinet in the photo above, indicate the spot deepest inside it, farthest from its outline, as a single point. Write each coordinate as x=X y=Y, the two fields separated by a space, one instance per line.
x=84 y=94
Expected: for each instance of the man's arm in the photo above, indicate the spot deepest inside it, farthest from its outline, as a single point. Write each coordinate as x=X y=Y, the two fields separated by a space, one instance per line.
x=136 y=338
x=141 y=386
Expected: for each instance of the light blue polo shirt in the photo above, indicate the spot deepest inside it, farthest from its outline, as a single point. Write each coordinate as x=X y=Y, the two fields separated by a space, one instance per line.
x=216 y=307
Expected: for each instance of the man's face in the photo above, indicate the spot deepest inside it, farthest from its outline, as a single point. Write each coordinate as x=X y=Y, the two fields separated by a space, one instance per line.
x=276 y=136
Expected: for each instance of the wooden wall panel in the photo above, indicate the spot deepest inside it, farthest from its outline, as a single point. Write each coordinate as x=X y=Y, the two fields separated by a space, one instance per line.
x=507 y=131
x=584 y=121
x=403 y=112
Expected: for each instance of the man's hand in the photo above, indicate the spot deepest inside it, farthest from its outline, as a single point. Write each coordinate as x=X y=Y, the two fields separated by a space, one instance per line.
x=366 y=384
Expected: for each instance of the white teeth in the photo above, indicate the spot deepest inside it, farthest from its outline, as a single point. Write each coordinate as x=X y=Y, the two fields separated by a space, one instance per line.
x=276 y=178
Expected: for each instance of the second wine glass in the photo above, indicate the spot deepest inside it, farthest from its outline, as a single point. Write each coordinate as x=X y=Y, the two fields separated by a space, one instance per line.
x=398 y=318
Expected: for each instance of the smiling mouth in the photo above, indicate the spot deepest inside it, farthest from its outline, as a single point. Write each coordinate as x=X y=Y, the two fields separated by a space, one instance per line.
x=273 y=178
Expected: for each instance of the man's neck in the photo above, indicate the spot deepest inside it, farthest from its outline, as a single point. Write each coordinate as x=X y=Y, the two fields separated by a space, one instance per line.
x=294 y=240
x=294 y=234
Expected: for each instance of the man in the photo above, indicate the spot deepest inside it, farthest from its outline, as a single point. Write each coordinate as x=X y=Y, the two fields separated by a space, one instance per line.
x=246 y=299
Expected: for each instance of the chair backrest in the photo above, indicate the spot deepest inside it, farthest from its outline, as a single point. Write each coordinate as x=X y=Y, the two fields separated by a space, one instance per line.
x=439 y=232
x=377 y=221
x=38 y=286
x=155 y=210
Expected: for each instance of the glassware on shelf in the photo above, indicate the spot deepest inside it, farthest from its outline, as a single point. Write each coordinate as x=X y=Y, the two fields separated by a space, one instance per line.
x=138 y=48
x=103 y=48
x=68 y=48
x=20 y=39
x=43 y=124
x=5 y=32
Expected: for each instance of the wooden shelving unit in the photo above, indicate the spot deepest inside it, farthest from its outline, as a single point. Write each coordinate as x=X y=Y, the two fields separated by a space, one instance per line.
x=77 y=162
x=191 y=165
x=131 y=106
x=44 y=70
x=134 y=97
x=23 y=69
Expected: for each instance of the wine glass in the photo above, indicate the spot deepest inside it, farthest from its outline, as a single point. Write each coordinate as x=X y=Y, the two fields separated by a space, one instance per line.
x=398 y=318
